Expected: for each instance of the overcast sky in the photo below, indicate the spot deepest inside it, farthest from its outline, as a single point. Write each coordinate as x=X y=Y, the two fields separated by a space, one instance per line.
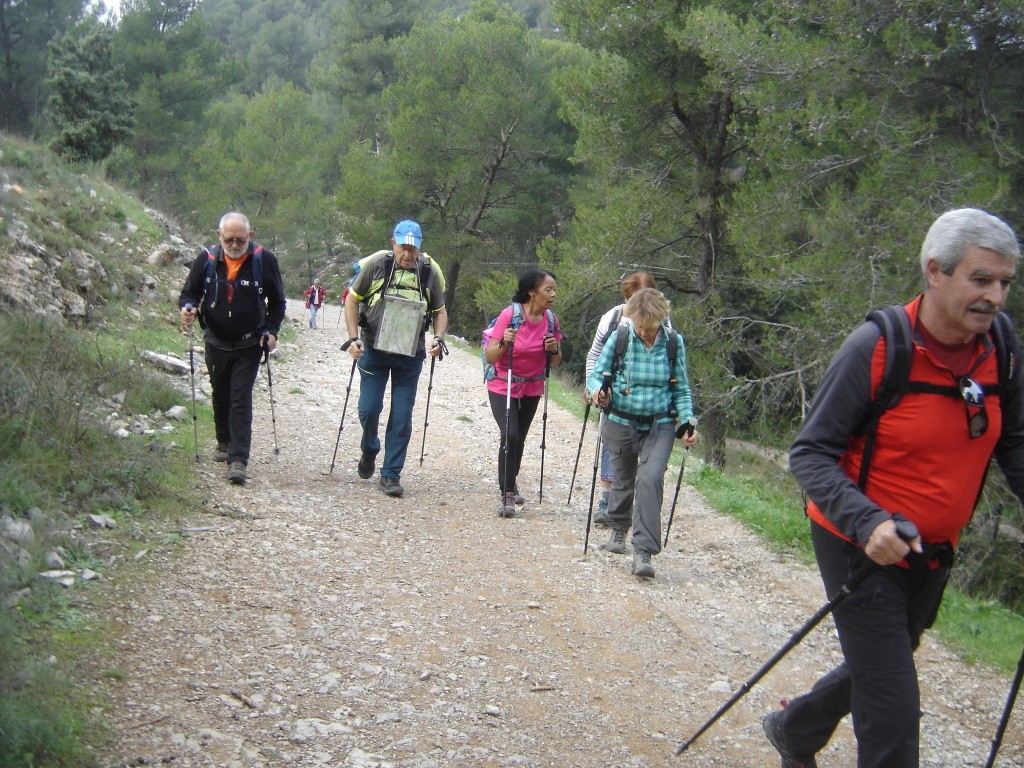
x=112 y=5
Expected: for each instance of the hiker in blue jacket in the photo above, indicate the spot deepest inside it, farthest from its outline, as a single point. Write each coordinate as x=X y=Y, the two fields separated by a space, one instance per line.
x=235 y=289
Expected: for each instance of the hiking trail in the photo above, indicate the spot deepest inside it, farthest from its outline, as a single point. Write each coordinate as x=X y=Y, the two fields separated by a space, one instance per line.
x=309 y=620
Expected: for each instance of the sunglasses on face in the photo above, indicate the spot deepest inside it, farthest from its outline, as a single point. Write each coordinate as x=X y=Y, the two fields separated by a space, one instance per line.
x=974 y=400
x=235 y=242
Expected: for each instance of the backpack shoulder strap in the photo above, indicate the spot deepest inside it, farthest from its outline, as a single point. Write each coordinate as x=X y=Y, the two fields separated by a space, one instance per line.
x=517 y=315
x=621 y=342
x=616 y=318
x=673 y=350
x=1007 y=345
x=894 y=325
x=257 y=268
x=672 y=337
x=210 y=274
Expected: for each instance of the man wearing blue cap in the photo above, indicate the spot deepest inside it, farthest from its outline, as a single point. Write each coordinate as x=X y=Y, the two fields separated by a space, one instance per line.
x=399 y=294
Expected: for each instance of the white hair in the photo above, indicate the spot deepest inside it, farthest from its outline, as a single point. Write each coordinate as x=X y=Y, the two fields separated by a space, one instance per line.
x=956 y=231
x=234 y=215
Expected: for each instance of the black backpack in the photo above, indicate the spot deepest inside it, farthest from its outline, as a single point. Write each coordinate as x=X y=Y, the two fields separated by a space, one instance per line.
x=894 y=324
x=211 y=291
x=621 y=340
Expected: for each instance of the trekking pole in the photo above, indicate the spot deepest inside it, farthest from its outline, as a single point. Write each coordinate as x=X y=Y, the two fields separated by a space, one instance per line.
x=1010 y=699
x=593 y=486
x=544 y=426
x=508 y=415
x=192 y=370
x=344 y=408
x=430 y=386
x=606 y=385
x=906 y=530
x=684 y=429
x=270 y=391
x=579 y=450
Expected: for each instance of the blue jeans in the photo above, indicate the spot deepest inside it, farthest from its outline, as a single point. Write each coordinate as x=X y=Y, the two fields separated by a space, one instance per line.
x=313 y=309
x=375 y=368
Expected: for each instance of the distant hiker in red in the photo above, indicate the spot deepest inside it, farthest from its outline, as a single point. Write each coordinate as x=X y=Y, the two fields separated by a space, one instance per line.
x=315 y=297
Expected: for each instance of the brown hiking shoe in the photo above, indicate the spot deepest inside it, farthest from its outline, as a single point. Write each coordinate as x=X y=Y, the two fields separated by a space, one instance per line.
x=616 y=542
x=236 y=472
x=518 y=497
x=642 y=564
x=770 y=723
x=507 y=508
x=391 y=486
x=220 y=453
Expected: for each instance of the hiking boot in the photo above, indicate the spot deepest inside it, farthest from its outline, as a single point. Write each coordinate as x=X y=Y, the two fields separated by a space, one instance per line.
x=507 y=507
x=390 y=486
x=236 y=472
x=517 y=496
x=770 y=723
x=220 y=453
x=616 y=542
x=642 y=564
x=601 y=519
x=366 y=465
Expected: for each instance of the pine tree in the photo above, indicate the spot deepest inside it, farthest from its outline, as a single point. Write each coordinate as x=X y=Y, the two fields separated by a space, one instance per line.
x=89 y=106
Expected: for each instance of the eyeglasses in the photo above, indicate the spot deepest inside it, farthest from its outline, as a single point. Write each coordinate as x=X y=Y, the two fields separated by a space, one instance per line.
x=974 y=399
x=235 y=241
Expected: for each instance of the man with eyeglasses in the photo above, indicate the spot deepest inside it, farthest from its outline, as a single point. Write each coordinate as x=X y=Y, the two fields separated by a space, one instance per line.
x=924 y=459
x=235 y=289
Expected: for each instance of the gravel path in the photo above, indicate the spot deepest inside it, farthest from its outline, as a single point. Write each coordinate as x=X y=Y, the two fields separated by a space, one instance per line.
x=310 y=620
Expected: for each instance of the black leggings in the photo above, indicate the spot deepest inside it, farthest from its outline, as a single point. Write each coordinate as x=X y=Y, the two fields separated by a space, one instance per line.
x=523 y=409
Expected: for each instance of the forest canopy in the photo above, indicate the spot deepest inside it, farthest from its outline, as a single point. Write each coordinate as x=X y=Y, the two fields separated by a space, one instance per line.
x=774 y=164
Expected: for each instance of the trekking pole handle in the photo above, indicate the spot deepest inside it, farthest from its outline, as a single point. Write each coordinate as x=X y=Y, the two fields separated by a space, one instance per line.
x=606 y=389
x=905 y=529
x=687 y=428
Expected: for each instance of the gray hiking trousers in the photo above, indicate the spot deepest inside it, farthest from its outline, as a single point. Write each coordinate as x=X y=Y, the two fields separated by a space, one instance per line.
x=639 y=460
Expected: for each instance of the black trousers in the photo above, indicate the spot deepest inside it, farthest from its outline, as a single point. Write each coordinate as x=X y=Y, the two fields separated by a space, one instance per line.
x=520 y=416
x=232 y=376
x=880 y=625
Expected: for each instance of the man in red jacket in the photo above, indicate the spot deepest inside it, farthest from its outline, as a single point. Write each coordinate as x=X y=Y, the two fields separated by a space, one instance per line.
x=315 y=296
x=927 y=461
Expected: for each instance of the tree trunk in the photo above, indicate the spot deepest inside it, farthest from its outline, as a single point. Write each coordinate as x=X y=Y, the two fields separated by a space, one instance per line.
x=712 y=431
x=451 y=278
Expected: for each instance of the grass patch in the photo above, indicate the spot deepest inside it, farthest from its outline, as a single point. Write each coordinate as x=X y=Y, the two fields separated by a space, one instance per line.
x=981 y=631
x=767 y=511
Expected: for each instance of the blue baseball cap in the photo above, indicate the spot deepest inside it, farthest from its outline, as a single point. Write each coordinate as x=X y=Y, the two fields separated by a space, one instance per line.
x=408 y=232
